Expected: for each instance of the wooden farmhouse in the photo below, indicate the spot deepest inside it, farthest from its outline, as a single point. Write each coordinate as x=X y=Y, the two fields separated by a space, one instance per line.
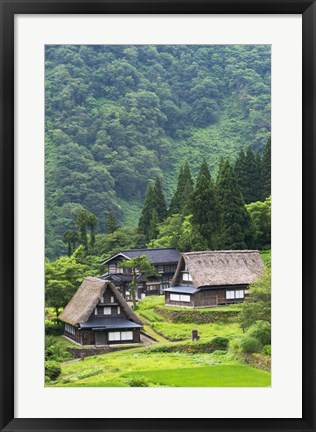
x=164 y=261
x=98 y=315
x=213 y=278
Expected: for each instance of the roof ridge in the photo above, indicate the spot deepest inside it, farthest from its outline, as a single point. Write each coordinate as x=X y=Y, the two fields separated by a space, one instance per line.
x=146 y=249
x=222 y=252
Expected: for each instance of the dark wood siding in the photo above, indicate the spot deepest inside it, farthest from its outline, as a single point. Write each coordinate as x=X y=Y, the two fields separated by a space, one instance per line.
x=209 y=297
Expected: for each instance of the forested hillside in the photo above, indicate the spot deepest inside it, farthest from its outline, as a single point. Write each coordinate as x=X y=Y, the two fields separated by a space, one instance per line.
x=119 y=116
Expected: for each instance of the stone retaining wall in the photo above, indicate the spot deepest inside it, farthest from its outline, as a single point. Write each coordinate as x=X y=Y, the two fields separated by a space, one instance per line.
x=88 y=352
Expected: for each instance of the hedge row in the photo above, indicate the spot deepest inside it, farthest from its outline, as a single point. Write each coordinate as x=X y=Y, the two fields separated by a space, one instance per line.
x=217 y=343
x=197 y=316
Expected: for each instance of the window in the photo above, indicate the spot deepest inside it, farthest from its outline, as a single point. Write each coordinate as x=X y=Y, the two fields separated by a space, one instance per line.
x=112 y=299
x=180 y=297
x=160 y=269
x=239 y=294
x=114 y=336
x=102 y=299
x=153 y=287
x=96 y=311
x=107 y=310
x=70 y=329
x=127 y=335
x=230 y=295
x=170 y=268
x=186 y=277
x=120 y=336
x=112 y=268
x=118 y=310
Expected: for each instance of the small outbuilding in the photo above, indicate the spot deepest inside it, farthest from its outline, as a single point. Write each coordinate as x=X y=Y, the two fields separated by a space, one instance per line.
x=98 y=315
x=213 y=278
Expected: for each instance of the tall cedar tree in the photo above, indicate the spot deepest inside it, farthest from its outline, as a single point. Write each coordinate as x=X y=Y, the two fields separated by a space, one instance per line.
x=111 y=223
x=235 y=224
x=252 y=193
x=176 y=201
x=180 y=199
x=266 y=171
x=153 y=228
x=146 y=215
x=159 y=201
x=241 y=171
x=204 y=207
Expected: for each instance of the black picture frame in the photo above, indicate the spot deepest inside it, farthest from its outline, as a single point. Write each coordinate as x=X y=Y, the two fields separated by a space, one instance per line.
x=8 y=9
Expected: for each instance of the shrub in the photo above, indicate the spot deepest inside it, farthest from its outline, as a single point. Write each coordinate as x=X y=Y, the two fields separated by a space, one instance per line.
x=249 y=344
x=266 y=350
x=261 y=330
x=52 y=370
x=53 y=327
x=221 y=343
x=219 y=353
x=138 y=382
x=57 y=352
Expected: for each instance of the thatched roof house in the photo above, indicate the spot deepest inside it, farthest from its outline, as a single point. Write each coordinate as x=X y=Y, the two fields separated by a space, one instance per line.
x=164 y=261
x=98 y=315
x=210 y=278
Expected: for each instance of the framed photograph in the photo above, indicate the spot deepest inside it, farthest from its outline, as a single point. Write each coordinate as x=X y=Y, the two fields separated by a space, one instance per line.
x=157 y=195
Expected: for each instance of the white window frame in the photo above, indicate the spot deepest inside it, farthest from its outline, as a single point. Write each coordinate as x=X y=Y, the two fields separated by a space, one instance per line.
x=230 y=295
x=185 y=298
x=186 y=277
x=239 y=294
x=112 y=299
x=120 y=336
x=95 y=311
x=118 y=310
x=106 y=310
x=174 y=297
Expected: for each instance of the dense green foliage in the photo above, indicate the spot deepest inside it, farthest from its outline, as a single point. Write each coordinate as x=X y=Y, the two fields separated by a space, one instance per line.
x=119 y=116
x=258 y=307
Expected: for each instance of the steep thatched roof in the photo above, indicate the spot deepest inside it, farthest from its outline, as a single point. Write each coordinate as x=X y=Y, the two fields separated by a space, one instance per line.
x=212 y=268
x=81 y=306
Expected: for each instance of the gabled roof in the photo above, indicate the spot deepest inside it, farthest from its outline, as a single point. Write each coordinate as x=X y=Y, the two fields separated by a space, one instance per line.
x=183 y=289
x=155 y=256
x=109 y=323
x=81 y=306
x=229 y=267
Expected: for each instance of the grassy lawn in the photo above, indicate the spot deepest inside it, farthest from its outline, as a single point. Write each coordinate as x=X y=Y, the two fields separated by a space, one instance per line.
x=208 y=376
x=181 y=331
x=160 y=369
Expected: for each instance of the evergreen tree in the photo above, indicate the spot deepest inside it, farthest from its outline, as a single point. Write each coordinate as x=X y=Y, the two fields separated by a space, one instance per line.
x=266 y=171
x=91 y=222
x=251 y=192
x=235 y=223
x=204 y=207
x=241 y=171
x=180 y=199
x=159 y=201
x=153 y=228
x=175 y=204
x=187 y=195
x=146 y=215
x=70 y=238
x=81 y=223
x=111 y=223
